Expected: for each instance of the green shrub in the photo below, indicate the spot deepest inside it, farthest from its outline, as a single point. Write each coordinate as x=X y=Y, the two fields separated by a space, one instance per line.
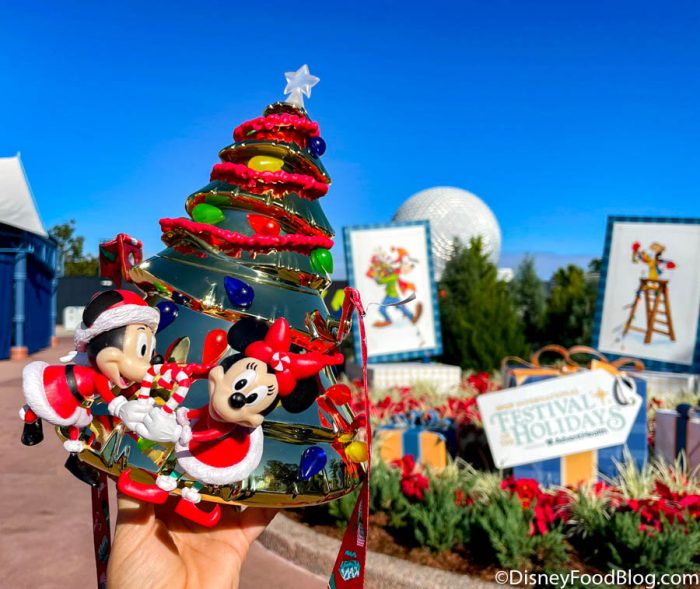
x=498 y=530
x=436 y=522
x=618 y=540
x=385 y=494
x=341 y=509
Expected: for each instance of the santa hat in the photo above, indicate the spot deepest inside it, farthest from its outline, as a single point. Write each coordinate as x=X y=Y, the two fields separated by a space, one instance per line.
x=288 y=367
x=112 y=309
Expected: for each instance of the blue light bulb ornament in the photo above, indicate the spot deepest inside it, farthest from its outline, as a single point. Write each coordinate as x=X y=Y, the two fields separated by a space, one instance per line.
x=317 y=146
x=168 y=314
x=312 y=461
x=179 y=298
x=239 y=293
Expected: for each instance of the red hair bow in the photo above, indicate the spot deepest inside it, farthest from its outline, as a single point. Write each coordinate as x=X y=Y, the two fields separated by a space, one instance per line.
x=289 y=367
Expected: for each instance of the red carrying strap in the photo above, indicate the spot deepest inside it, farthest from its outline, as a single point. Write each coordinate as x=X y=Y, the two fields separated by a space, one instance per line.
x=101 y=536
x=349 y=568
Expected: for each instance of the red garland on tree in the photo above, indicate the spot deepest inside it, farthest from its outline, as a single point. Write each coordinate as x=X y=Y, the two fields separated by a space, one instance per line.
x=286 y=127
x=276 y=184
x=232 y=243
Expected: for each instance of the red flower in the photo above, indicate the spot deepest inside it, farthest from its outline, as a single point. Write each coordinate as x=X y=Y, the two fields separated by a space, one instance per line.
x=413 y=484
x=462 y=409
x=600 y=487
x=653 y=510
x=547 y=508
x=462 y=499
x=481 y=381
x=527 y=490
x=414 y=487
x=692 y=504
x=406 y=463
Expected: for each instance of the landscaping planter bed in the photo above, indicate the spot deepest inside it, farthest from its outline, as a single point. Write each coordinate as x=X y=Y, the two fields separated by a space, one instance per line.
x=474 y=523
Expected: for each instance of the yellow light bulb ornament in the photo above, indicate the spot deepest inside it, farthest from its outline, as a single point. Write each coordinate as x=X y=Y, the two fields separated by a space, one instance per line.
x=265 y=163
x=357 y=452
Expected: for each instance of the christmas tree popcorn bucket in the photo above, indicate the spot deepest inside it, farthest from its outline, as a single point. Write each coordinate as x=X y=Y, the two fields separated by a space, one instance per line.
x=220 y=386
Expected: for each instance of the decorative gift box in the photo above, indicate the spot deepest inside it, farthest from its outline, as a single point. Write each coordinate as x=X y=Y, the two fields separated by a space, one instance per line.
x=424 y=436
x=678 y=431
x=443 y=377
x=584 y=466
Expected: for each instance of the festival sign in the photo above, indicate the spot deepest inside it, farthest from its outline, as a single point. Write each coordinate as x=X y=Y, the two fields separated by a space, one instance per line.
x=558 y=417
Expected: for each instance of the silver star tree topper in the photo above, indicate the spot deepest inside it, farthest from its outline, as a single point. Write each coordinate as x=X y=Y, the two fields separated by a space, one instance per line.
x=299 y=84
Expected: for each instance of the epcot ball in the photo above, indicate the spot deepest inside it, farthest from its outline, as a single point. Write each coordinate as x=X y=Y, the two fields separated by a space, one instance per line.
x=452 y=212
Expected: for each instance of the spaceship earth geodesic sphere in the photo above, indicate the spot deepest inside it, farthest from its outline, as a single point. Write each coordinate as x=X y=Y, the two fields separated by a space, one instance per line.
x=452 y=213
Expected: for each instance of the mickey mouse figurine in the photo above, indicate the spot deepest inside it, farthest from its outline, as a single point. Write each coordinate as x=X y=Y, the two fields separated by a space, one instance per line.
x=222 y=443
x=115 y=346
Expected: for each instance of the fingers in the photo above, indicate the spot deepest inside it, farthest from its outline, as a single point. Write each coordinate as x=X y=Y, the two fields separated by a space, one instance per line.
x=181 y=416
x=138 y=413
x=251 y=521
x=258 y=516
x=141 y=430
x=254 y=520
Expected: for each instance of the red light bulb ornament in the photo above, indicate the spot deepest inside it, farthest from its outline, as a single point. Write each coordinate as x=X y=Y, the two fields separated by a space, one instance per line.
x=262 y=225
x=215 y=345
x=340 y=394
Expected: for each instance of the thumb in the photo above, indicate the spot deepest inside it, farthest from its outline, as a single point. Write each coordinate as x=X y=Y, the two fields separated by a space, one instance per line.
x=136 y=524
x=131 y=511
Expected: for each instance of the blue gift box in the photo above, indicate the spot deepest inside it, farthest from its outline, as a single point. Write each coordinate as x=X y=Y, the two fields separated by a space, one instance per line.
x=423 y=435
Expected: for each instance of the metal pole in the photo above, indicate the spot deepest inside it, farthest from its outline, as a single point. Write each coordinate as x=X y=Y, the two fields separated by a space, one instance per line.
x=54 y=290
x=19 y=350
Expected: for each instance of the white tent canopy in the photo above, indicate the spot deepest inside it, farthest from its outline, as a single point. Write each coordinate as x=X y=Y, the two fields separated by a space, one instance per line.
x=17 y=207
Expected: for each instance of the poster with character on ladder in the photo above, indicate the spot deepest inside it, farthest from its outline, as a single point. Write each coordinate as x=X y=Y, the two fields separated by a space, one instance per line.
x=649 y=294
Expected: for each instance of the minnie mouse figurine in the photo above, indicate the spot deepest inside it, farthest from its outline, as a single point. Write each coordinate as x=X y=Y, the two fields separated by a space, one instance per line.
x=222 y=443
x=115 y=346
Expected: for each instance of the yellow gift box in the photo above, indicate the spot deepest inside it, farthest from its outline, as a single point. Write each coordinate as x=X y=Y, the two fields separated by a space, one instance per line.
x=428 y=448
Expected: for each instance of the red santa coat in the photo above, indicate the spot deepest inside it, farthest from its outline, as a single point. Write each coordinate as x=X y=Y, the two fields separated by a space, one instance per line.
x=57 y=393
x=219 y=453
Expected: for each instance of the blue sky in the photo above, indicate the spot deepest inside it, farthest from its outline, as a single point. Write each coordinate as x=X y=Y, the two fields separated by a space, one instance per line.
x=556 y=113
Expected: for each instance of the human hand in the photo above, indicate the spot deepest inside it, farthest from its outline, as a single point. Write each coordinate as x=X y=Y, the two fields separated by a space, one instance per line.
x=159 y=426
x=155 y=547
